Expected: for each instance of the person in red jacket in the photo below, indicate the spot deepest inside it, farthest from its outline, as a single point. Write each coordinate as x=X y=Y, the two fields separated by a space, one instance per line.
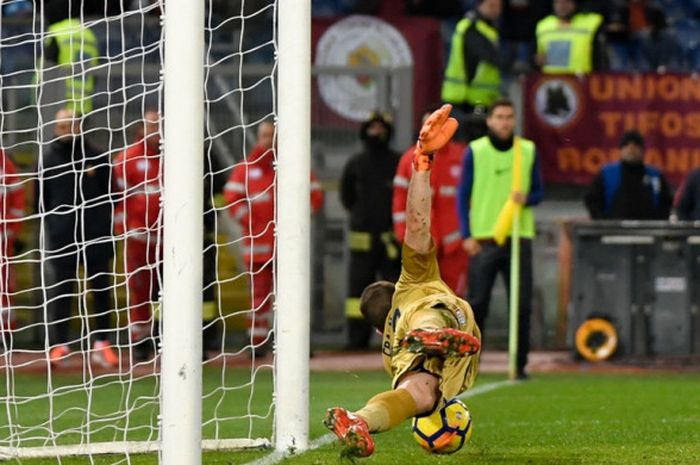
x=137 y=174
x=11 y=215
x=445 y=175
x=250 y=196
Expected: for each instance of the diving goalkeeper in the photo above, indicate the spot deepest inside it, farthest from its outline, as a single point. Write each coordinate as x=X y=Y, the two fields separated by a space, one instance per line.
x=430 y=341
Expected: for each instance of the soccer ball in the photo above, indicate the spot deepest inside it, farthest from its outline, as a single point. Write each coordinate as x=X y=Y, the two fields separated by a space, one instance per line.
x=445 y=430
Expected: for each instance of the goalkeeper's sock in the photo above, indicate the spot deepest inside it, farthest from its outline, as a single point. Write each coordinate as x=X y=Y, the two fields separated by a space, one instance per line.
x=388 y=409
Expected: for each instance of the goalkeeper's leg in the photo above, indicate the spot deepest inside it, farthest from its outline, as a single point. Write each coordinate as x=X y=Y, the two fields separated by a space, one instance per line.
x=416 y=393
x=436 y=334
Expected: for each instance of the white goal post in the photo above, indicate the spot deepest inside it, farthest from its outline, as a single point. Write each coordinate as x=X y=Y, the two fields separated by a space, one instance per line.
x=181 y=369
x=211 y=95
x=184 y=45
x=293 y=218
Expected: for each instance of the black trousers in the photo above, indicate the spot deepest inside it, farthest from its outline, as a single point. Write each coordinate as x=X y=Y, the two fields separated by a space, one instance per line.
x=211 y=337
x=63 y=285
x=366 y=268
x=483 y=270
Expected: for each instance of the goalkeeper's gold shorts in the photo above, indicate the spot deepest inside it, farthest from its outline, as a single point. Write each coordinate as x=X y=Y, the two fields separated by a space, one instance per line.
x=457 y=374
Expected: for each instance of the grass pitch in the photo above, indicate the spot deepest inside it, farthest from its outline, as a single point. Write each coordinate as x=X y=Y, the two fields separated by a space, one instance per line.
x=556 y=419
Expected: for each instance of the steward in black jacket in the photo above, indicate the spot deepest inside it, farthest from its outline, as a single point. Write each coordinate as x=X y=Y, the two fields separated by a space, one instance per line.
x=75 y=202
x=76 y=197
x=366 y=191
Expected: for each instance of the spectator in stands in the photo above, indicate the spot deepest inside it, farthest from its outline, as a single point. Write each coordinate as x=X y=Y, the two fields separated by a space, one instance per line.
x=58 y=10
x=73 y=46
x=252 y=25
x=570 y=41
x=602 y=7
x=518 y=30
x=444 y=179
x=449 y=12
x=137 y=175
x=250 y=196
x=473 y=76
x=441 y=9
x=332 y=8
x=17 y=53
x=11 y=217
x=486 y=196
x=74 y=198
x=17 y=8
x=638 y=35
x=366 y=192
x=688 y=197
x=628 y=189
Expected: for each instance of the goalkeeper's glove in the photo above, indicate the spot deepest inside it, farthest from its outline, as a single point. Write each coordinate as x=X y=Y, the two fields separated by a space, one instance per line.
x=436 y=132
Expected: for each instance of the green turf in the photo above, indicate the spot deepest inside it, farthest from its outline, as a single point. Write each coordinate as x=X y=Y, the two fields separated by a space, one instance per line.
x=29 y=414
x=551 y=419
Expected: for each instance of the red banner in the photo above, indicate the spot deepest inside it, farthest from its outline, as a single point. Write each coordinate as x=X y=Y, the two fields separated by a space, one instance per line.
x=577 y=122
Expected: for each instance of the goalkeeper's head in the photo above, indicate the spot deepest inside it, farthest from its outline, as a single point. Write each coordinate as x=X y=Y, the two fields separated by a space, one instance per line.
x=375 y=303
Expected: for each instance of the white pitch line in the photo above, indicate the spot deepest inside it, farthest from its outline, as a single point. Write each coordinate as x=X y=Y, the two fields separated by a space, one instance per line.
x=276 y=457
x=485 y=388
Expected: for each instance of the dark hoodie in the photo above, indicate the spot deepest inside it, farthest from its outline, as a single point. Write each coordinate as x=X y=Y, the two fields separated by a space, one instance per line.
x=632 y=196
x=366 y=187
x=74 y=186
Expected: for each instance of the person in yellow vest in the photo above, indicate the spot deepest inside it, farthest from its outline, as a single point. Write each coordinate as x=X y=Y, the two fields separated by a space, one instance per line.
x=72 y=46
x=486 y=187
x=570 y=41
x=473 y=75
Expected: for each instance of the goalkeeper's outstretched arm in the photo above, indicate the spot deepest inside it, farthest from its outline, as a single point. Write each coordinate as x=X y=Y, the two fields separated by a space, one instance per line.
x=437 y=131
x=418 y=212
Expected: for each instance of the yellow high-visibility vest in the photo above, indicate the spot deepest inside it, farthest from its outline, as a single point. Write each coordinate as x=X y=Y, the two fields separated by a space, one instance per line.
x=493 y=185
x=568 y=48
x=77 y=52
x=484 y=88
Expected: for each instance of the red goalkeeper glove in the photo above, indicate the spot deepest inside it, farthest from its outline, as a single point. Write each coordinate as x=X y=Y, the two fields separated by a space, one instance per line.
x=437 y=131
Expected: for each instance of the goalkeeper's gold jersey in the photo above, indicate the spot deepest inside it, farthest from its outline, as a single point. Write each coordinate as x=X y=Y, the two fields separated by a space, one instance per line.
x=420 y=288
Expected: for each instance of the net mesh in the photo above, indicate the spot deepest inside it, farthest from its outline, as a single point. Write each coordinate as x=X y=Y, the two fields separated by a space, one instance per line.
x=81 y=226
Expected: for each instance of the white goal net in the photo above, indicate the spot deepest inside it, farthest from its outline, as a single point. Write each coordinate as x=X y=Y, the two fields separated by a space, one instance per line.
x=82 y=226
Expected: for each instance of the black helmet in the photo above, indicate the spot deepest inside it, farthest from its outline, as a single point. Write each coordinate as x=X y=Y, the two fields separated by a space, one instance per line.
x=384 y=118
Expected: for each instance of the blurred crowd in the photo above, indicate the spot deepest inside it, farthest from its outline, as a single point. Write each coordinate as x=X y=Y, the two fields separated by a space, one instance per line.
x=635 y=35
